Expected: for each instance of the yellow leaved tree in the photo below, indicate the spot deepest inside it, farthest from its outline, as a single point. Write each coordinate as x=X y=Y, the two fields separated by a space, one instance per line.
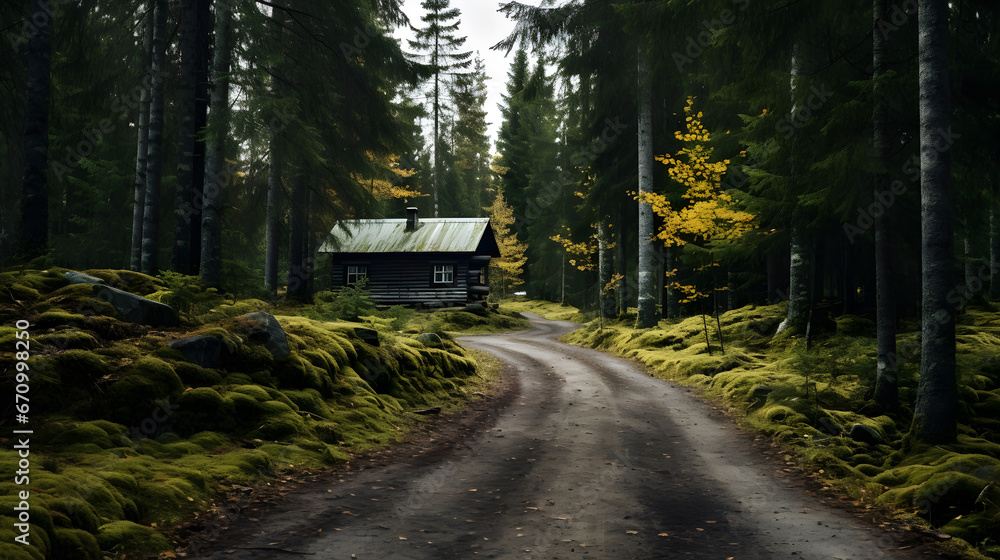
x=506 y=271
x=386 y=187
x=708 y=213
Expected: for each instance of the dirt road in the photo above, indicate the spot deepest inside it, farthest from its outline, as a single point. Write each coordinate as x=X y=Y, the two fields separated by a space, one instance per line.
x=592 y=458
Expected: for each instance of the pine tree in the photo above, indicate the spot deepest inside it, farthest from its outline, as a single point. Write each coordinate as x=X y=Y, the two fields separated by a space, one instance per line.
x=439 y=41
x=472 y=144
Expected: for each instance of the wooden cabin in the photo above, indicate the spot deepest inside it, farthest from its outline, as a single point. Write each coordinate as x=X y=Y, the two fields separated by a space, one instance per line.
x=419 y=262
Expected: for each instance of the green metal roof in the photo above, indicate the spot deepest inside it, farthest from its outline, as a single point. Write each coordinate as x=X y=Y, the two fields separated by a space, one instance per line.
x=433 y=235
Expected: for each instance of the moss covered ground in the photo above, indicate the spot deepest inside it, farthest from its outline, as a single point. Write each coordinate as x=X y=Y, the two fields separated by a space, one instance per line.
x=816 y=403
x=547 y=309
x=130 y=438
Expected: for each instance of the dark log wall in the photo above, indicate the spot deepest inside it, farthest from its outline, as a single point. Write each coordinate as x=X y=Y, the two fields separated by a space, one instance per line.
x=408 y=278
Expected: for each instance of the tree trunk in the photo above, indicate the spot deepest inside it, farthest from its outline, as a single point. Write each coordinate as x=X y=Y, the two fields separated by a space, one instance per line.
x=799 y=282
x=216 y=169
x=647 y=268
x=297 y=280
x=935 y=413
x=886 y=366
x=185 y=209
x=142 y=144
x=202 y=84
x=621 y=266
x=271 y=236
x=799 y=296
x=34 y=240
x=995 y=250
x=603 y=268
x=154 y=159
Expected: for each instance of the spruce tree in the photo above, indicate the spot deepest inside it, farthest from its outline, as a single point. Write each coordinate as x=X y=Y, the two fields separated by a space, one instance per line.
x=439 y=42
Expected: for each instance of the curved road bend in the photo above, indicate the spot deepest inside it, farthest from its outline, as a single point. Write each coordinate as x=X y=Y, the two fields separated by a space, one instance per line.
x=592 y=459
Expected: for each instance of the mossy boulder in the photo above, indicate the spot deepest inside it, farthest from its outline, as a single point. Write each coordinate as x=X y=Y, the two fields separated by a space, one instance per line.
x=74 y=277
x=432 y=340
x=75 y=543
x=202 y=409
x=264 y=329
x=145 y=388
x=126 y=537
x=136 y=309
x=205 y=351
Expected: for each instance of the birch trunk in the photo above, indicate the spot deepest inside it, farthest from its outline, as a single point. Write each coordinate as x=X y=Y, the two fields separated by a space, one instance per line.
x=935 y=412
x=800 y=284
x=647 y=268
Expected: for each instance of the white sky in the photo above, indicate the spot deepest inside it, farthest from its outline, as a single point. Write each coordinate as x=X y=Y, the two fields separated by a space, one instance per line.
x=484 y=27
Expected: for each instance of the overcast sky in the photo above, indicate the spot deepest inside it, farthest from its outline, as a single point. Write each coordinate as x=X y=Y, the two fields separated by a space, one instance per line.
x=484 y=27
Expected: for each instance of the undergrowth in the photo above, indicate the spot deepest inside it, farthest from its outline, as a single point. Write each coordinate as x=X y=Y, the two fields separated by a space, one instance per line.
x=816 y=403
x=131 y=438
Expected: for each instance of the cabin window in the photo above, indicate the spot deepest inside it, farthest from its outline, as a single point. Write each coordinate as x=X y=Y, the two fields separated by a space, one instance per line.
x=444 y=274
x=356 y=272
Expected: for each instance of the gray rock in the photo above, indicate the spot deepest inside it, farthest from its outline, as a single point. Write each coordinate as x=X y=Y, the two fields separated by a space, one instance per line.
x=429 y=339
x=367 y=336
x=205 y=351
x=477 y=309
x=262 y=328
x=865 y=434
x=74 y=277
x=135 y=309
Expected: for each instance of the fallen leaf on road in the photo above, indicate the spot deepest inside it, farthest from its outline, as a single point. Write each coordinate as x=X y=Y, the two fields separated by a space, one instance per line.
x=402 y=538
x=662 y=535
x=632 y=532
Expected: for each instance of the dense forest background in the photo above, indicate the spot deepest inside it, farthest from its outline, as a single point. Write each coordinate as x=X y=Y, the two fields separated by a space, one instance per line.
x=838 y=155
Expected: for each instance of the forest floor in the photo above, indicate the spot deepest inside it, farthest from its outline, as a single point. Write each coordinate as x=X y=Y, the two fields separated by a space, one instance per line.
x=582 y=455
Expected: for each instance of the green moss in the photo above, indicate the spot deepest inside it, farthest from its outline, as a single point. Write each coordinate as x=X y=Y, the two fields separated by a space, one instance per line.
x=203 y=408
x=126 y=537
x=129 y=281
x=143 y=388
x=193 y=375
x=77 y=299
x=76 y=544
x=58 y=318
x=68 y=338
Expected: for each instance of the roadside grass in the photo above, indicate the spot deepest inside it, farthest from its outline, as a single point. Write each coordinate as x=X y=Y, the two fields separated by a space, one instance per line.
x=547 y=309
x=130 y=438
x=456 y=321
x=815 y=403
